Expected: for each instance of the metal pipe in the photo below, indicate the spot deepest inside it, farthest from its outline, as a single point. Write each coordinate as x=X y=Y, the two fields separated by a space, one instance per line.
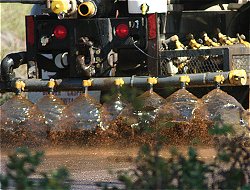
x=199 y=79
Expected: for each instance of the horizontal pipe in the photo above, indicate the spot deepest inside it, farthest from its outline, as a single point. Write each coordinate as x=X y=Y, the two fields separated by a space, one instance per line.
x=199 y=79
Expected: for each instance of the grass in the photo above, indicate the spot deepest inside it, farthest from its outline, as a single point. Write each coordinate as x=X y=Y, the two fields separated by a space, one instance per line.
x=13 y=27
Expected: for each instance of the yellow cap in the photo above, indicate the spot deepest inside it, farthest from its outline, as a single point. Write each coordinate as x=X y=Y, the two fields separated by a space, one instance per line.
x=20 y=85
x=238 y=77
x=219 y=79
x=119 y=82
x=87 y=83
x=144 y=8
x=184 y=79
x=152 y=80
x=60 y=6
x=51 y=83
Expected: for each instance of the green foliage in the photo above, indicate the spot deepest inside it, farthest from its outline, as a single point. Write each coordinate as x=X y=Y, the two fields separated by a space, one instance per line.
x=4 y=97
x=22 y=166
x=13 y=27
x=230 y=169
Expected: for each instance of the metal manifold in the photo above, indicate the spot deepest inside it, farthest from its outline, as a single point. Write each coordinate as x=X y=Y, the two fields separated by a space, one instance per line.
x=234 y=77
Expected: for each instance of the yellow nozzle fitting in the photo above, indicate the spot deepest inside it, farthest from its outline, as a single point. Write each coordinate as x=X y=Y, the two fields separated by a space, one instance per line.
x=144 y=8
x=223 y=39
x=193 y=44
x=209 y=42
x=59 y=6
x=238 y=77
x=51 y=84
x=87 y=83
x=20 y=85
x=87 y=9
x=219 y=79
x=152 y=80
x=184 y=79
x=119 y=82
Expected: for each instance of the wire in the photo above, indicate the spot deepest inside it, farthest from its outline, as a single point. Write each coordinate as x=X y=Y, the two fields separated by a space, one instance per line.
x=134 y=43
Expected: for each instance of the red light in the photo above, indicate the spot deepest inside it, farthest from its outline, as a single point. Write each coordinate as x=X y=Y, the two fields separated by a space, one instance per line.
x=151 y=26
x=60 y=32
x=30 y=30
x=122 y=30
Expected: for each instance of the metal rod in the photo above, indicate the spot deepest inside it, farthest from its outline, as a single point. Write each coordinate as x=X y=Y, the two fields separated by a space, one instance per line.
x=199 y=79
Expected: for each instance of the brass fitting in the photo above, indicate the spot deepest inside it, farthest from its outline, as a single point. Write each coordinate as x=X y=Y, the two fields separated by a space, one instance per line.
x=184 y=79
x=152 y=80
x=59 y=6
x=87 y=9
x=87 y=83
x=119 y=82
x=144 y=8
x=219 y=79
x=237 y=77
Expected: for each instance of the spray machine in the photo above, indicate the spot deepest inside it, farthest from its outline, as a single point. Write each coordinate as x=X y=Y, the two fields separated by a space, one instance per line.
x=102 y=40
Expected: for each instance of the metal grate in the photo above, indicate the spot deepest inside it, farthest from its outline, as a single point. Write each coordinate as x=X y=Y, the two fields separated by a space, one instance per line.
x=198 y=64
x=241 y=62
x=193 y=61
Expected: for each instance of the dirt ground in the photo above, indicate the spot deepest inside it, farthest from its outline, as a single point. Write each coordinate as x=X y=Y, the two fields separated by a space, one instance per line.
x=87 y=166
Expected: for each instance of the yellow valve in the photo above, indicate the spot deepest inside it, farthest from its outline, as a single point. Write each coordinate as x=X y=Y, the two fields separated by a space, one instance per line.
x=247 y=44
x=238 y=77
x=178 y=44
x=119 y=82
x=87 y=9
x=208 y=41
x=20 y=85
x=152 y=80
x=223 y=39
x=51 y=84
x=144 y=8
x=184 y=79
x=193 y=44
x=59 y=6
x=219 y=79
x=87 y=83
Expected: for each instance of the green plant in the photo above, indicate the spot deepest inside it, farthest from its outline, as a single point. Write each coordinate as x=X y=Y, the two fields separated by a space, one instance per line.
x=23 y=164
x=229 y=170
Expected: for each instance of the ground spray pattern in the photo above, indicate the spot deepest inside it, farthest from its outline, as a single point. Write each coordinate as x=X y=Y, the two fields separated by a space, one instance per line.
x=181 y=118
